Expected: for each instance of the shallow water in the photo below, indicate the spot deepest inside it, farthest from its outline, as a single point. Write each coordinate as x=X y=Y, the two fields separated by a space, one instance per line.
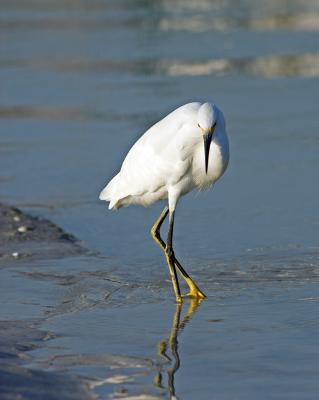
x=79 y=83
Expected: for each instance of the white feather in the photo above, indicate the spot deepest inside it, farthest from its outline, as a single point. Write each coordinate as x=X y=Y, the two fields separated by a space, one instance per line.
x=168 y=160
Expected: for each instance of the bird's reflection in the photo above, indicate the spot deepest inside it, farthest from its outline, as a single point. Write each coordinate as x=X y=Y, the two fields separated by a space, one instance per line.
x=170 y=345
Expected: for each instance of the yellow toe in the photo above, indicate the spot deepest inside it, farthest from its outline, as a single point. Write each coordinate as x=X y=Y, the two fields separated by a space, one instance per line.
x=195 y=294
x=194 y=290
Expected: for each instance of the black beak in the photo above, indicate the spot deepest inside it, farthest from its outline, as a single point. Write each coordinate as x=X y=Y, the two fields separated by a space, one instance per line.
x=207 y=139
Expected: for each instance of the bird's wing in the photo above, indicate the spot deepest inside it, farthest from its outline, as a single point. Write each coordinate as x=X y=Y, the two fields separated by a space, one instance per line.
x=154 y=160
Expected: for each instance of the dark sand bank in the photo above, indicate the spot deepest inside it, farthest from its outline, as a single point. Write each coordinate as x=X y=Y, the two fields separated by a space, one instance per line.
x=47 y=274
x=26 y=236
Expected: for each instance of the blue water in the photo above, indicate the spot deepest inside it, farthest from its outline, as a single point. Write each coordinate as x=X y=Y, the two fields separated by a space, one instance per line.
x=80 y=82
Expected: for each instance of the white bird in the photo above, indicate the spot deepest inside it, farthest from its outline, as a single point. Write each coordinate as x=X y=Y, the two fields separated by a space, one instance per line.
x=186 y=150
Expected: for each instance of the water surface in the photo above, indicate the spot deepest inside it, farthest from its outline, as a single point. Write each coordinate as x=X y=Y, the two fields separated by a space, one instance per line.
x=79 y=83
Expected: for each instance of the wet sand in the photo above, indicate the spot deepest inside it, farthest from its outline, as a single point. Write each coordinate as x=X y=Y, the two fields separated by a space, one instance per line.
x=70 y=331
x=24 y=238
x=17 y=339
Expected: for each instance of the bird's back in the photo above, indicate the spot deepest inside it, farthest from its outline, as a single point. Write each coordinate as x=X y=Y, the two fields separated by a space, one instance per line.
x=151 y=161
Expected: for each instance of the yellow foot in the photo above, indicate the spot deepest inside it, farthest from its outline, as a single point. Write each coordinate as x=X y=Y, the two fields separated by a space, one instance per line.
x=195 y=294
x=194 y=290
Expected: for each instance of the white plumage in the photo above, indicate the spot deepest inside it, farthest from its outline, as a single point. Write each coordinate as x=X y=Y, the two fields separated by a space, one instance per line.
x=187 y=149
x=168 y=160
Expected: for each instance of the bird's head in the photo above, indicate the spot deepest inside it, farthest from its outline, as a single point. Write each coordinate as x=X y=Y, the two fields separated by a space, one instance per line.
x=207 y=120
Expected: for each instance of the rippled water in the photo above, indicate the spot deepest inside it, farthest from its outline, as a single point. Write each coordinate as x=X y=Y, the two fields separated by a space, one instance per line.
x=80 y=81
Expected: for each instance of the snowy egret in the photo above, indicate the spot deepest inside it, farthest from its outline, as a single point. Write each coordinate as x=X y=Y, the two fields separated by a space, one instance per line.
x=187 y=149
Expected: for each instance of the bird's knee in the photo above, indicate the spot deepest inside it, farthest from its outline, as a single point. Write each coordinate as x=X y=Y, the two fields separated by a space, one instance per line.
x=154 y=233
x=170 y=253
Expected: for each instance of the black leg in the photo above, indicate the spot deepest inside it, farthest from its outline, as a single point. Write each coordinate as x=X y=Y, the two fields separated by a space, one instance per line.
x=171 y=258
x=155 y=232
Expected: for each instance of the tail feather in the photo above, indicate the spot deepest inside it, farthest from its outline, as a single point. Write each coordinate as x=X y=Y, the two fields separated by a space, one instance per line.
x=108 y=193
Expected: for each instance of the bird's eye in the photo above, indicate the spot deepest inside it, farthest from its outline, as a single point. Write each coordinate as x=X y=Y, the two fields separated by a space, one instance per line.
x=198 y=125
x=214 y=124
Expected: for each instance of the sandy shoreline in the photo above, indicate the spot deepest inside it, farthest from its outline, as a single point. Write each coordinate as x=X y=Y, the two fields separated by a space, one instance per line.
x=41 y=281
x=23 y=236
x=26 y=238
x=19 y=382
x=78 y=325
